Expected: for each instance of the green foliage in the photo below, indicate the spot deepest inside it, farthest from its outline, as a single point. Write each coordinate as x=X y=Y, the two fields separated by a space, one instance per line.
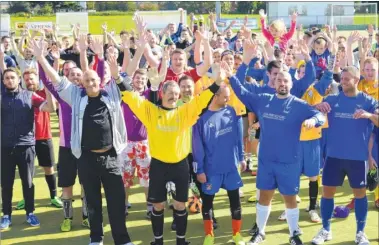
x=245 y=7
x=17 y=7
x=46 y=9
x=148 y=6
x=226 y=7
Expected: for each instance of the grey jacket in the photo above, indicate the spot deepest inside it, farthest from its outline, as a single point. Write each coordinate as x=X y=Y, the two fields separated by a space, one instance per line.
x=77 y=98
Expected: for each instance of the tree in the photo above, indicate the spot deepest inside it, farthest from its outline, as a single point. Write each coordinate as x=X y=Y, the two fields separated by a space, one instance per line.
x=226 y=7
x=245 y=7
x=16 y=7
x=46 y=9
x=131 y=6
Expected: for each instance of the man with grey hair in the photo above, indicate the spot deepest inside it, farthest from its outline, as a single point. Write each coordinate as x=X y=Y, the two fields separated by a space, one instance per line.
x=168 y=130
x=281 y=117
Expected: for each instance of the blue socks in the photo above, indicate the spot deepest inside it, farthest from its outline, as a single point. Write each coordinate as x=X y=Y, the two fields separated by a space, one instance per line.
x=327 y=206
x=361 y=207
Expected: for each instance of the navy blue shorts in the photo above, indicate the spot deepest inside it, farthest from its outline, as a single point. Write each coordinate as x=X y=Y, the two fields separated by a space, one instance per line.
x=336 y=169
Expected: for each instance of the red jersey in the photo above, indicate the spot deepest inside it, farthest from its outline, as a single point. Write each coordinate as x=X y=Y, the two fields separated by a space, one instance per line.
x=42 y=121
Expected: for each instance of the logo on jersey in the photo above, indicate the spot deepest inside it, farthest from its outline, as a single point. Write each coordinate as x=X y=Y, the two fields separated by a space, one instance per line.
x=337 y=105
x=310 y=93
x=208 y=187
x=268 y=105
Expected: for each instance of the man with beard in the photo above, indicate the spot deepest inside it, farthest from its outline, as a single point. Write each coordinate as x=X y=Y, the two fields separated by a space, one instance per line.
x=347 y=153
x=17 y=143
x=216 y=151
x=280 y=114
x=44 y=144
x=68 y=164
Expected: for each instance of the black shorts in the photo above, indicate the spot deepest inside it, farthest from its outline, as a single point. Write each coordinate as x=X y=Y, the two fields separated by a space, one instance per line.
x=45 y=153
x=161 y=173
x=67 y=167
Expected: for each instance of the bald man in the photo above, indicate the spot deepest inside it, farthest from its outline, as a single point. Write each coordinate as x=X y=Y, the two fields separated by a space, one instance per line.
x=281 y=116
x=217 y=152
x=98 y=135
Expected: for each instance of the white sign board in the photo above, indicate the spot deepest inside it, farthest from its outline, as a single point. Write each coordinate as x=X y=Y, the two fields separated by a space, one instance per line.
x=39 y=25
x=157 y=20
x=5 y=24
x=223 y=23
x=64 y=21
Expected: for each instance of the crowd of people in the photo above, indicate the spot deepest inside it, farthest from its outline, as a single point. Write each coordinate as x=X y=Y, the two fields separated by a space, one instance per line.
x=186 y=109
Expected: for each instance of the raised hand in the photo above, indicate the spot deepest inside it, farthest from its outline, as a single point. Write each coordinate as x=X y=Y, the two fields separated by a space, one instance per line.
x=2 y=50
x=55 y=53
x=142 y=40
x=246 y=32
x=83 y=44
x=154 y=77
x=226 y=70
x=201 y=35
x=294 y=16
x=354 y=36
x=97 y=47
x=262 y=13
x=104 y=27
x=327 y=28
x=166 y=53
x=38 y=47
x=113 y=66
x=140 y=24
x=125 y=43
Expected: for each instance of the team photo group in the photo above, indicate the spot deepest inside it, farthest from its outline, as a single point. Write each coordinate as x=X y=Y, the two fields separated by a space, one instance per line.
x=186 y=111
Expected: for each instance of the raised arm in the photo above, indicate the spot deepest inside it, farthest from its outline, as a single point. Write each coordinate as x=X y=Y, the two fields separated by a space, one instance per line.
x=141 y=45
x=354 y=36
x=208 y=60
x=3 y=66
x=83 y=46
x=292 y=30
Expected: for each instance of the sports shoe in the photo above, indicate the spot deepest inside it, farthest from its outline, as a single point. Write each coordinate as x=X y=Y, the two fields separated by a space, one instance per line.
x=254 y=229
x=322 y=236
x=316 y=206
x=257 y=238
x=66 y=225
x=32 y=220
x=314 y=216
x=209 y=240
x=252 y=199
x=298 y=199
x=85 y=223
x=20 y=205
x=56 y=202
x=148 y=215
x=361 y=239
x=96 y=243
x=295 y=239
x=283 y=216
x=238 y=239
x=126 y=211
x=5 y=222
x=351 y=204
x=129 y=205
x=241 y=193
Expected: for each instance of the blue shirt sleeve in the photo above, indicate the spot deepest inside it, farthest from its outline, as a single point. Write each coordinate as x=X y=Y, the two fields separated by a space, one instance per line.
x=240 y=138
x=198 y=150
x=300 y=86
x=251 y=100
x=325 y=81
x=307 y=112
x=9 y=62
x=257 y=74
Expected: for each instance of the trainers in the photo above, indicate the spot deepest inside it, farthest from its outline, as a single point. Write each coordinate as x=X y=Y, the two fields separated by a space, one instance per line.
x=238 y=239
x=295 y=239
x=252 y=199
x=322 y=236
x=5 y=222
x=148 y=215
x=351 y=204
x=129 y=205
x=32 y=220
x=298 y=199
x=209 y=240
x=126 y=211
x=241 y=193
x=283 y=216
x=20 y=205
x=96 y=243
x=66 y=225
x=85 y=223
x=314 y=216
x=257 y=238
x=361 y=239
x=56 y=202
x=254 y=229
